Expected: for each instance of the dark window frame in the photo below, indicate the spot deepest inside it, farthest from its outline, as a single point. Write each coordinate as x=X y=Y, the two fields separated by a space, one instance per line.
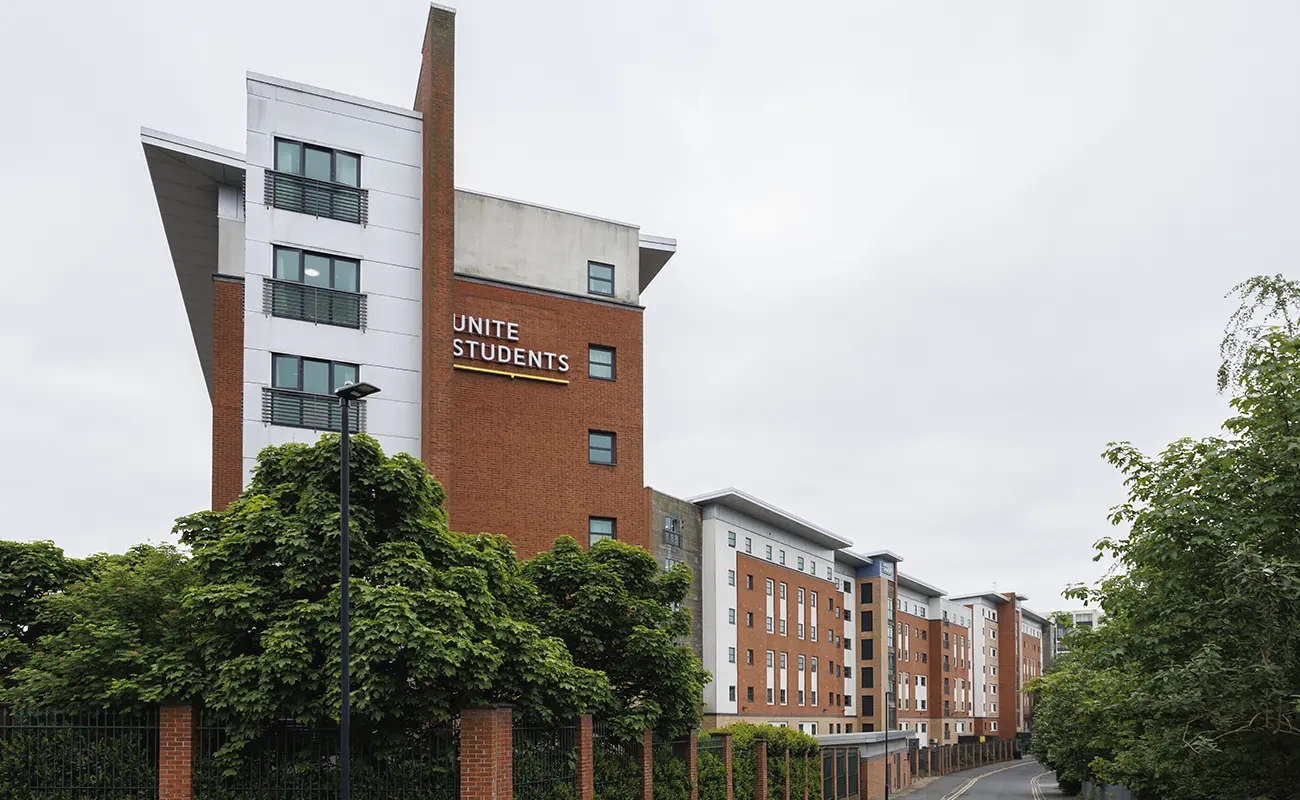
x=302 y=279
x=613 y=448
x=302 y=160
x=592 y=279
x=300 y=360
x=613 y=361
x=613 y=529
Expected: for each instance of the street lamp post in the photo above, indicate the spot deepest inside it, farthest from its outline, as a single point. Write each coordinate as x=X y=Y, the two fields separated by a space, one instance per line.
x=346 y=394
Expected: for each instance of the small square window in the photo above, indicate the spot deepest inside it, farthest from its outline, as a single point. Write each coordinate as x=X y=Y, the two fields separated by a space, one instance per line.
x=600 y=447
x=600 y=278
x=599 y=528
x=600 y=362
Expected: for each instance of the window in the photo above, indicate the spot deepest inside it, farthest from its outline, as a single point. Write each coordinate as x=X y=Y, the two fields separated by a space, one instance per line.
x=770 y=627
x=799 y=563
x=814 y=697
x=920 y=681
x=828 y=573
x=770 y=585
x=731 y=577
x=317 y=163
x=830 y=604
x=783 y=661
x=848 y=671
x=749 y=545
x=800 y=595
x=769 y=696
x=783 y=627
x=749 y=619
x=731 y=538
x=848 y=644
x=749 y=693
x=781 y=557
x=315 y=287
x=812 y=596
x=731 y=616
x=769 y=552
x=302 y=393
x=600 y=365
x=599 y=528
x=783 y=697
x=749 y=581
x=673 y=532
x=830 y=635
x=800 y=630
x=868 y=621
x=782 y=590
x=731 y=693
x=946 y=688
x=848 y=615
x=867 y=592
x=731 y=656
x=600 y=278
x=771 y=658
x=848 y=701
x=812 y=635
x=318 y=181
x=868 y=649
x=993 y=652
x=749 y=656
x=801 y=697
x=600 y=447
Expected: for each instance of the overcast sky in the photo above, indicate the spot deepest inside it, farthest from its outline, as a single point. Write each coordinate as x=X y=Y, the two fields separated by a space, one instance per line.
x=932 y=257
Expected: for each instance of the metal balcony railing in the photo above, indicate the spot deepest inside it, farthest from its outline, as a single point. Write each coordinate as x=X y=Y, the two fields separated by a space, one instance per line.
x=293 y=300
x=318 y=198
x=672 y=537
x=320 y=412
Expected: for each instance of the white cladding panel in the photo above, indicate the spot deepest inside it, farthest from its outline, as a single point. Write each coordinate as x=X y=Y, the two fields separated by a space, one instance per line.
x=388 y=248
x=718 y=599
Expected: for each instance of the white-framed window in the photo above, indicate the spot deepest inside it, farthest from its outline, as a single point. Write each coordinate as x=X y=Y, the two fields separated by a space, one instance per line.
x=798 y=561
x=783 y=628
x=769 y=552
x=731 y=616
x=800 y=630
x=770 y=627
x=749 y=545
x=783 y=590
x=731 y=654
x=771 y=658
x=781 y=557
x=770 y=586
x=731 y=577
x=731 y=693
x=731 y=538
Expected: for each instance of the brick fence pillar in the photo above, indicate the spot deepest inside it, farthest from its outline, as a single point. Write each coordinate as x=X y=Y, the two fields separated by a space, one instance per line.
x=487 y=753
x=726 y=765
x=586 y=776
x=647 y=765
x=760 y=770
x=175 y=753
x=693 y=763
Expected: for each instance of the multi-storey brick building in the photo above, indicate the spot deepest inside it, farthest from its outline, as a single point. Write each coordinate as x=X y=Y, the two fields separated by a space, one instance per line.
x=1010 y=653
x=505 y=336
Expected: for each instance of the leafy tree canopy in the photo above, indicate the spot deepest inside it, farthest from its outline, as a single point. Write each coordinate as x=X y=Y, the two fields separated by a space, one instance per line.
x=1192 y=687
x=28 y=572
x=617 y=612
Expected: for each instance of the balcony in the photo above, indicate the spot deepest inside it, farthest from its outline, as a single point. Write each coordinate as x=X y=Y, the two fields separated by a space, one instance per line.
x=293 y=409
x=291 y=300
x=318 y=198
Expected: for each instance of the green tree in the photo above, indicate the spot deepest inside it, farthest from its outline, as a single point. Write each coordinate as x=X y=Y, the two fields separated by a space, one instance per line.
x=619 y=613
x=119 y=638
x=1192 y=688
x=436 y=624
x=28 y=572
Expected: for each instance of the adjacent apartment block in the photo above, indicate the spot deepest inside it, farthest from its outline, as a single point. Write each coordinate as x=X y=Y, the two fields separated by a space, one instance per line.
x=798 y=630
x=334 y=246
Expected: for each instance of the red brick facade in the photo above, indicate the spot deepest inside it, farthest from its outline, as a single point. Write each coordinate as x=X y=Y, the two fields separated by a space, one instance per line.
x=519 y=447
x=486 y=753
x=227 y=390
x=435 y=97
x=512 y=454
x=831 y=657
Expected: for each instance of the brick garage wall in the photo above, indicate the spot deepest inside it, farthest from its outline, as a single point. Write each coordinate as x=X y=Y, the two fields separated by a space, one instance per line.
x=519 y=447
x=227 y=390
x=689 y=553
x=760 y=641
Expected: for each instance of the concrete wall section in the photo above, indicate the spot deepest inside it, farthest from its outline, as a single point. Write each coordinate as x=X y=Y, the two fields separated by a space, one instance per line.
x=530 y=245
x=388 y=247
x=689 y=552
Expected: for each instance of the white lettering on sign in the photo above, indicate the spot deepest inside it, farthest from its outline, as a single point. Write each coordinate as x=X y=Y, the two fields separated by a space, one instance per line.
x=498 y=353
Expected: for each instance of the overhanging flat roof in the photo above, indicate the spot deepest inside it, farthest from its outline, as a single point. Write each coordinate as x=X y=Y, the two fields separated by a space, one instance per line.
x=886 y=555
x=655 y=252
x=1032 y=614
x=850 y=557
x=185 y=176
x=919 y=585
x=994 y=596
x=765 y=512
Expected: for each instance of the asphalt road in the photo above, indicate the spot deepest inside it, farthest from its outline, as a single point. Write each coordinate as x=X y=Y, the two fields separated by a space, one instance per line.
x=1014 y=780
